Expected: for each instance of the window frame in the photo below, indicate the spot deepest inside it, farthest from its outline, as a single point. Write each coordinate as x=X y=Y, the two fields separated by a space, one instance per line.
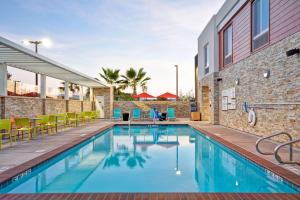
x=230 y=24
x=206 y=58
x=262 y=32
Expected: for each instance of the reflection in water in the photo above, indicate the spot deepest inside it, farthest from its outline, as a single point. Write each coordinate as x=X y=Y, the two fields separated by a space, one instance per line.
x=148 y=159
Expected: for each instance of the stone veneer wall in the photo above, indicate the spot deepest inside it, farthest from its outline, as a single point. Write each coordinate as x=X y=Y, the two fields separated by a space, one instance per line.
x=268 y=94
x=212 y=96
x=12 y=106
x=74 y=106
x=87 y=105
x=23 y=106
x=54 y=106
x=182 y=108
x=106 y=93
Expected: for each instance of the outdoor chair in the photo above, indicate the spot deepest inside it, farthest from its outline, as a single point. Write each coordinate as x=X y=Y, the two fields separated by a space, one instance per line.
x=5 y=125
x=171 y=114
x=71 y=119
x=117 y=114
x=23 y=125
x=136 y=114
x=61 y=120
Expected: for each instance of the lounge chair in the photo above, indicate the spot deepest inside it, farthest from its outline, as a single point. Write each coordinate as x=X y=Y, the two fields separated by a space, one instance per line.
x=171 y=114
x=136 y=114
x=117 y=114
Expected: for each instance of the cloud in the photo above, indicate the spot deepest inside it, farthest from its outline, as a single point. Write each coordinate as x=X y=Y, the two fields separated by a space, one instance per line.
x=154 y=34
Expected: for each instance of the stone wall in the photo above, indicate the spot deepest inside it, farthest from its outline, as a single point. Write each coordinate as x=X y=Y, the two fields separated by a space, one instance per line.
x=107 y=100
x=23 y=106
x=12 y=106
x=74 y=106
x=87 y=105
x=54 y=106
x=276 y=99
x=182 y=108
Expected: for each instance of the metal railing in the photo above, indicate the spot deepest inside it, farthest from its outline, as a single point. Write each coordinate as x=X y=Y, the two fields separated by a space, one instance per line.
x=278 y=158
x=276 y=150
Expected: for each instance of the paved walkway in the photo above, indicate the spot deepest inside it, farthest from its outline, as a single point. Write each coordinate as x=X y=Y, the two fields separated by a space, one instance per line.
x=24 y=151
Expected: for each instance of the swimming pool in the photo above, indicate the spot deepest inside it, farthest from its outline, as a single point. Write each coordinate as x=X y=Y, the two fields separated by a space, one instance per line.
x=161 y=158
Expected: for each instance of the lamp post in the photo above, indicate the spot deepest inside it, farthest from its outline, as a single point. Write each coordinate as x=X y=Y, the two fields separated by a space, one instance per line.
x=176 y=66
x=36 y=43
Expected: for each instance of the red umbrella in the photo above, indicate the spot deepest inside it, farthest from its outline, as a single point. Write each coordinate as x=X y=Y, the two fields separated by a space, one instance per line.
x=167 y=95
x=143 y=95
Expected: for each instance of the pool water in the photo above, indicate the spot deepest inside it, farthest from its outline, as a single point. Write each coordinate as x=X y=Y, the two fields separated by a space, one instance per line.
x=173 y=158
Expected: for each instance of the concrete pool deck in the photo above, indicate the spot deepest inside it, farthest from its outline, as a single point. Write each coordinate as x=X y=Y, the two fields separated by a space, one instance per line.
x=23 y=155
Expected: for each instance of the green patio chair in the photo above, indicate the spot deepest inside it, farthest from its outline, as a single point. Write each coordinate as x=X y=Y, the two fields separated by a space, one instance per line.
x=171 y=114
x=87 y=116
x=62 y=120
x=94 y=115
x=51 y=123
x=23 y=125
x=5 y=125
x=81 y=117
x=136 y=114
x=71 y=118
x=117 y=114
x=41 y=124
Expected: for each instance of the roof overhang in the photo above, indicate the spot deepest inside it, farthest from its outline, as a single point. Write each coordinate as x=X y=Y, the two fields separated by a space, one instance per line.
x=15 y=55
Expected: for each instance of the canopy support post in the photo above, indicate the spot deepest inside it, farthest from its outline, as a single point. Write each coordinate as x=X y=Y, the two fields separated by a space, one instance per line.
x=43 y=86
x=3 y=79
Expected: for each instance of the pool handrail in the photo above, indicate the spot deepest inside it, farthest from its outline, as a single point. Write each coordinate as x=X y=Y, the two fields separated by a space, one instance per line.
x=278 y=158
x=270 y=136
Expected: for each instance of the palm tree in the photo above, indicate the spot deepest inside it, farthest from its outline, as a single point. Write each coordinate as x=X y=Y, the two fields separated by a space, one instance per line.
x=134 y=78
x=72 y=87
x=111 y=76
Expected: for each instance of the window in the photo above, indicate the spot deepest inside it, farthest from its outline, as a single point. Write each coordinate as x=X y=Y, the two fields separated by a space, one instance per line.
x=260 y=23
x=206 y=59
x=228 y=45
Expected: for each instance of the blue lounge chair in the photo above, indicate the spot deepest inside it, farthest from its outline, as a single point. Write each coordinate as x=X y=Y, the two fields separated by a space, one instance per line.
x=117 y=113
x=151 y=113
x=136 y=114
x=171 y=114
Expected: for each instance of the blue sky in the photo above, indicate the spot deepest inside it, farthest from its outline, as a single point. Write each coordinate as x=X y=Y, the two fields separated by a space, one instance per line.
x=90 y=34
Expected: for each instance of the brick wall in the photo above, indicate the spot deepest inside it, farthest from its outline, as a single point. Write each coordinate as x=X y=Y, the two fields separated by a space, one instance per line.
x=283 y=86
x=182 y=108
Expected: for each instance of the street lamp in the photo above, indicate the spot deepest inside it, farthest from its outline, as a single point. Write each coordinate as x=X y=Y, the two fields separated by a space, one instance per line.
x=176 y=81
x=46 y=42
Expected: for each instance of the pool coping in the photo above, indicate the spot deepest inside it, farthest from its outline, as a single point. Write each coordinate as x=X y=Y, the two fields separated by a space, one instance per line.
x=278 y=170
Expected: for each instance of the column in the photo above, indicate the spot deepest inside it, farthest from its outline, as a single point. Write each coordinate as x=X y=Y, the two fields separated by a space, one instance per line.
x=81 y=93
x=91 y=94
x=66 y=90
x=111 y=99
x=3 y=79
x=43 y=86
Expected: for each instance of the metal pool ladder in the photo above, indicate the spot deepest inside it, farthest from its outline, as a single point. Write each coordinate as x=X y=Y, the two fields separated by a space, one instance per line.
x=278 y=147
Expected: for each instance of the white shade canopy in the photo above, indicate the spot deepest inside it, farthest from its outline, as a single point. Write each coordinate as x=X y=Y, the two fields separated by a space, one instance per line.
x=15 y=55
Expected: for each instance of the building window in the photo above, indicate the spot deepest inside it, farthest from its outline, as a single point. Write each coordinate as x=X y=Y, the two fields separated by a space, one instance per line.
x=228 y=45
x=260 y=23
x=206 y=59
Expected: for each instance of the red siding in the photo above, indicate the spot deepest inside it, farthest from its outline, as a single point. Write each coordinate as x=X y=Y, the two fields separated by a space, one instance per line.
x=284 y=19
x=241 y=34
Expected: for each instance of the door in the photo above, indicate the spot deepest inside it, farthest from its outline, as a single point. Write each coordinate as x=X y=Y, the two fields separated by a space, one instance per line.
x=100 y=105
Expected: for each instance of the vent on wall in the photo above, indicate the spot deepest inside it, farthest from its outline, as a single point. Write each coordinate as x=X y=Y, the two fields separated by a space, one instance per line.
x=260 y=40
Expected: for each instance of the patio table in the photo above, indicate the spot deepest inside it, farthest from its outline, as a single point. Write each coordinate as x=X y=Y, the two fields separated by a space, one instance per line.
x=33 y=120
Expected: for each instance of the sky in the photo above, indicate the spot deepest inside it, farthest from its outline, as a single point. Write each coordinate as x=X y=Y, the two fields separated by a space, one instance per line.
x=90 y=34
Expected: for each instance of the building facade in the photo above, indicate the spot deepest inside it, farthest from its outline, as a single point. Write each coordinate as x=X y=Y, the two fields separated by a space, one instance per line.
x=251 y=66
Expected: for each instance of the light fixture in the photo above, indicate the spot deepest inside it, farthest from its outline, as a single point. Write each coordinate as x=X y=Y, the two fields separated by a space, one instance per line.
x=236 y=183
x=292 y=52
x=178 y=172
x=219 y=79
x=267 y=73
x=237 y=81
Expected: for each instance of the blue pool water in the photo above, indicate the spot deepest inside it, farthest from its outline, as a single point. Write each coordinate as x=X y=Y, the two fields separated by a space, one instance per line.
x=148 y=159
